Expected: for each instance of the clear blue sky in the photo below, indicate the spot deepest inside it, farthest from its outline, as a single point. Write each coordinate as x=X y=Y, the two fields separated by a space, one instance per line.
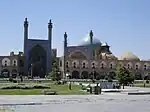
x=124 y=24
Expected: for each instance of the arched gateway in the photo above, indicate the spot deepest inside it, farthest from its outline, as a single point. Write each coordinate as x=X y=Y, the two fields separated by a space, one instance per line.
x=37 y=58
x=75 y=75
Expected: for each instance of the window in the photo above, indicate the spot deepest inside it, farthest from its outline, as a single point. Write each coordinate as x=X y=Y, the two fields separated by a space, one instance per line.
x=14 y=64
x=5 y=63
x=83 y=66
x=145 y=67
x=93 y=65
x=21 y=63
x=136 y=67
x=102 y=65
x=67 y=65
x=74 y=65
x=60 y=63
x=111 y=66
x=128 y=66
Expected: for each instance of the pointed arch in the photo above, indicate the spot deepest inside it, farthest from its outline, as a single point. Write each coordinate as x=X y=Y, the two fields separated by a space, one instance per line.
x=103 y=64
x=67 y=64
x=84 y=64
x=138 y=76
x=85 y=75
x=145 y=66
x=14 y=73
x=38 y=58
x=94 y=64
x=93 y=75
x=137 y=65
x=6 y=62
x=75 y=63
x=5 y=73
x=129 y=65
x=14 y=62
x=77 y=55
x=75 y=75
x=147 y=76
x=112 y=65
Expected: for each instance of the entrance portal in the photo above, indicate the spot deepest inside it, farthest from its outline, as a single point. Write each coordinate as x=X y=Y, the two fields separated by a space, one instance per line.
x=5 y=73
x=75 y=75
x=14 y=73
x=37 y=60
x=84 y=75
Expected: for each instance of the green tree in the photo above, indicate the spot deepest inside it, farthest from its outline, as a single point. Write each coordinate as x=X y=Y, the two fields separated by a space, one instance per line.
x=55 y=72
x=124 y=76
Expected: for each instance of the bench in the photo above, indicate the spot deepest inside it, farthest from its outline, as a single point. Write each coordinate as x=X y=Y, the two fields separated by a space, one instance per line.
x=50 y=92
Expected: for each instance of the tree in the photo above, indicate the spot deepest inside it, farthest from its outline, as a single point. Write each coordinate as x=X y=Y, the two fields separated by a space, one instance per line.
x=55 y=72
x=124 y=76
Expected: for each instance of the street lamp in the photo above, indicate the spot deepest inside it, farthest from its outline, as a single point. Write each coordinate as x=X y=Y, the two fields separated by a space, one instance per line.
x=31 y=71
x=58 y=77
x=68 y=76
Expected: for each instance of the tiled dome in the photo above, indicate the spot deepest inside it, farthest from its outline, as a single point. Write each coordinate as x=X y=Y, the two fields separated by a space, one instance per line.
x=86 y=41
x=129 y=56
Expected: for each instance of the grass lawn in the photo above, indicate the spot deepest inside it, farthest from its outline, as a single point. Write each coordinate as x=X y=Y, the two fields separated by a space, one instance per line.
x=61 y=90
x=142 y=85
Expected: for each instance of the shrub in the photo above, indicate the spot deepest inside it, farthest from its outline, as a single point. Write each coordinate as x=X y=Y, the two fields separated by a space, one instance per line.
x=58 y=82
x=14 y=81
x=93 y=81
x=147 y=81
x=40 y=87
x=84 y=88
x=118 y=86
x=80 y=84
x=11 y=79
x=26 y=87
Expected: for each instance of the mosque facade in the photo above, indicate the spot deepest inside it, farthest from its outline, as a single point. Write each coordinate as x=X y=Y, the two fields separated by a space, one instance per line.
x=38 y=53
x=93 y=59
x=35 y=60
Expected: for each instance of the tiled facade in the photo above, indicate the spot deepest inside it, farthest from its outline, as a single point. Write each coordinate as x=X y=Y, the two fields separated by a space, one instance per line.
x=79 y=63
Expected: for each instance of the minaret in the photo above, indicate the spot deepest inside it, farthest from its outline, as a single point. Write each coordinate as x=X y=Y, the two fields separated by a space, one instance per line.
x=50 y=26
x=91 y=43
x=65 y=51
x=49 y=63
x=65 y=43
x=25 y=34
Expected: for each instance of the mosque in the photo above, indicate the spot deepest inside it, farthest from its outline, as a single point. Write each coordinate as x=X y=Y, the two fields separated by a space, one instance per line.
x=36 y=60
x=90 y=59
x=94 y=59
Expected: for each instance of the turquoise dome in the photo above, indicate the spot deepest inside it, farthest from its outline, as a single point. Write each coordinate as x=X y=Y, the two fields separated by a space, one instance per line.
x=86 y=41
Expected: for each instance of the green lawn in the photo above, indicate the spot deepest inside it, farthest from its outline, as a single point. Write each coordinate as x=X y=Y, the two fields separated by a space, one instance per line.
x=142 y=85
x=61 y=90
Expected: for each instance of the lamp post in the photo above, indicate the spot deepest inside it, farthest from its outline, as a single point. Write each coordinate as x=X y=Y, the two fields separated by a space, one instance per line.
x=68 y=75
x=31 y=71
x=58 y=76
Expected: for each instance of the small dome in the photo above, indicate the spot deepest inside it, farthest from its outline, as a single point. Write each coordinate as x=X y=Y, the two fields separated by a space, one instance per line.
x=86 y=41
x=104 y=44
x=129 y=56
x=108 y=56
